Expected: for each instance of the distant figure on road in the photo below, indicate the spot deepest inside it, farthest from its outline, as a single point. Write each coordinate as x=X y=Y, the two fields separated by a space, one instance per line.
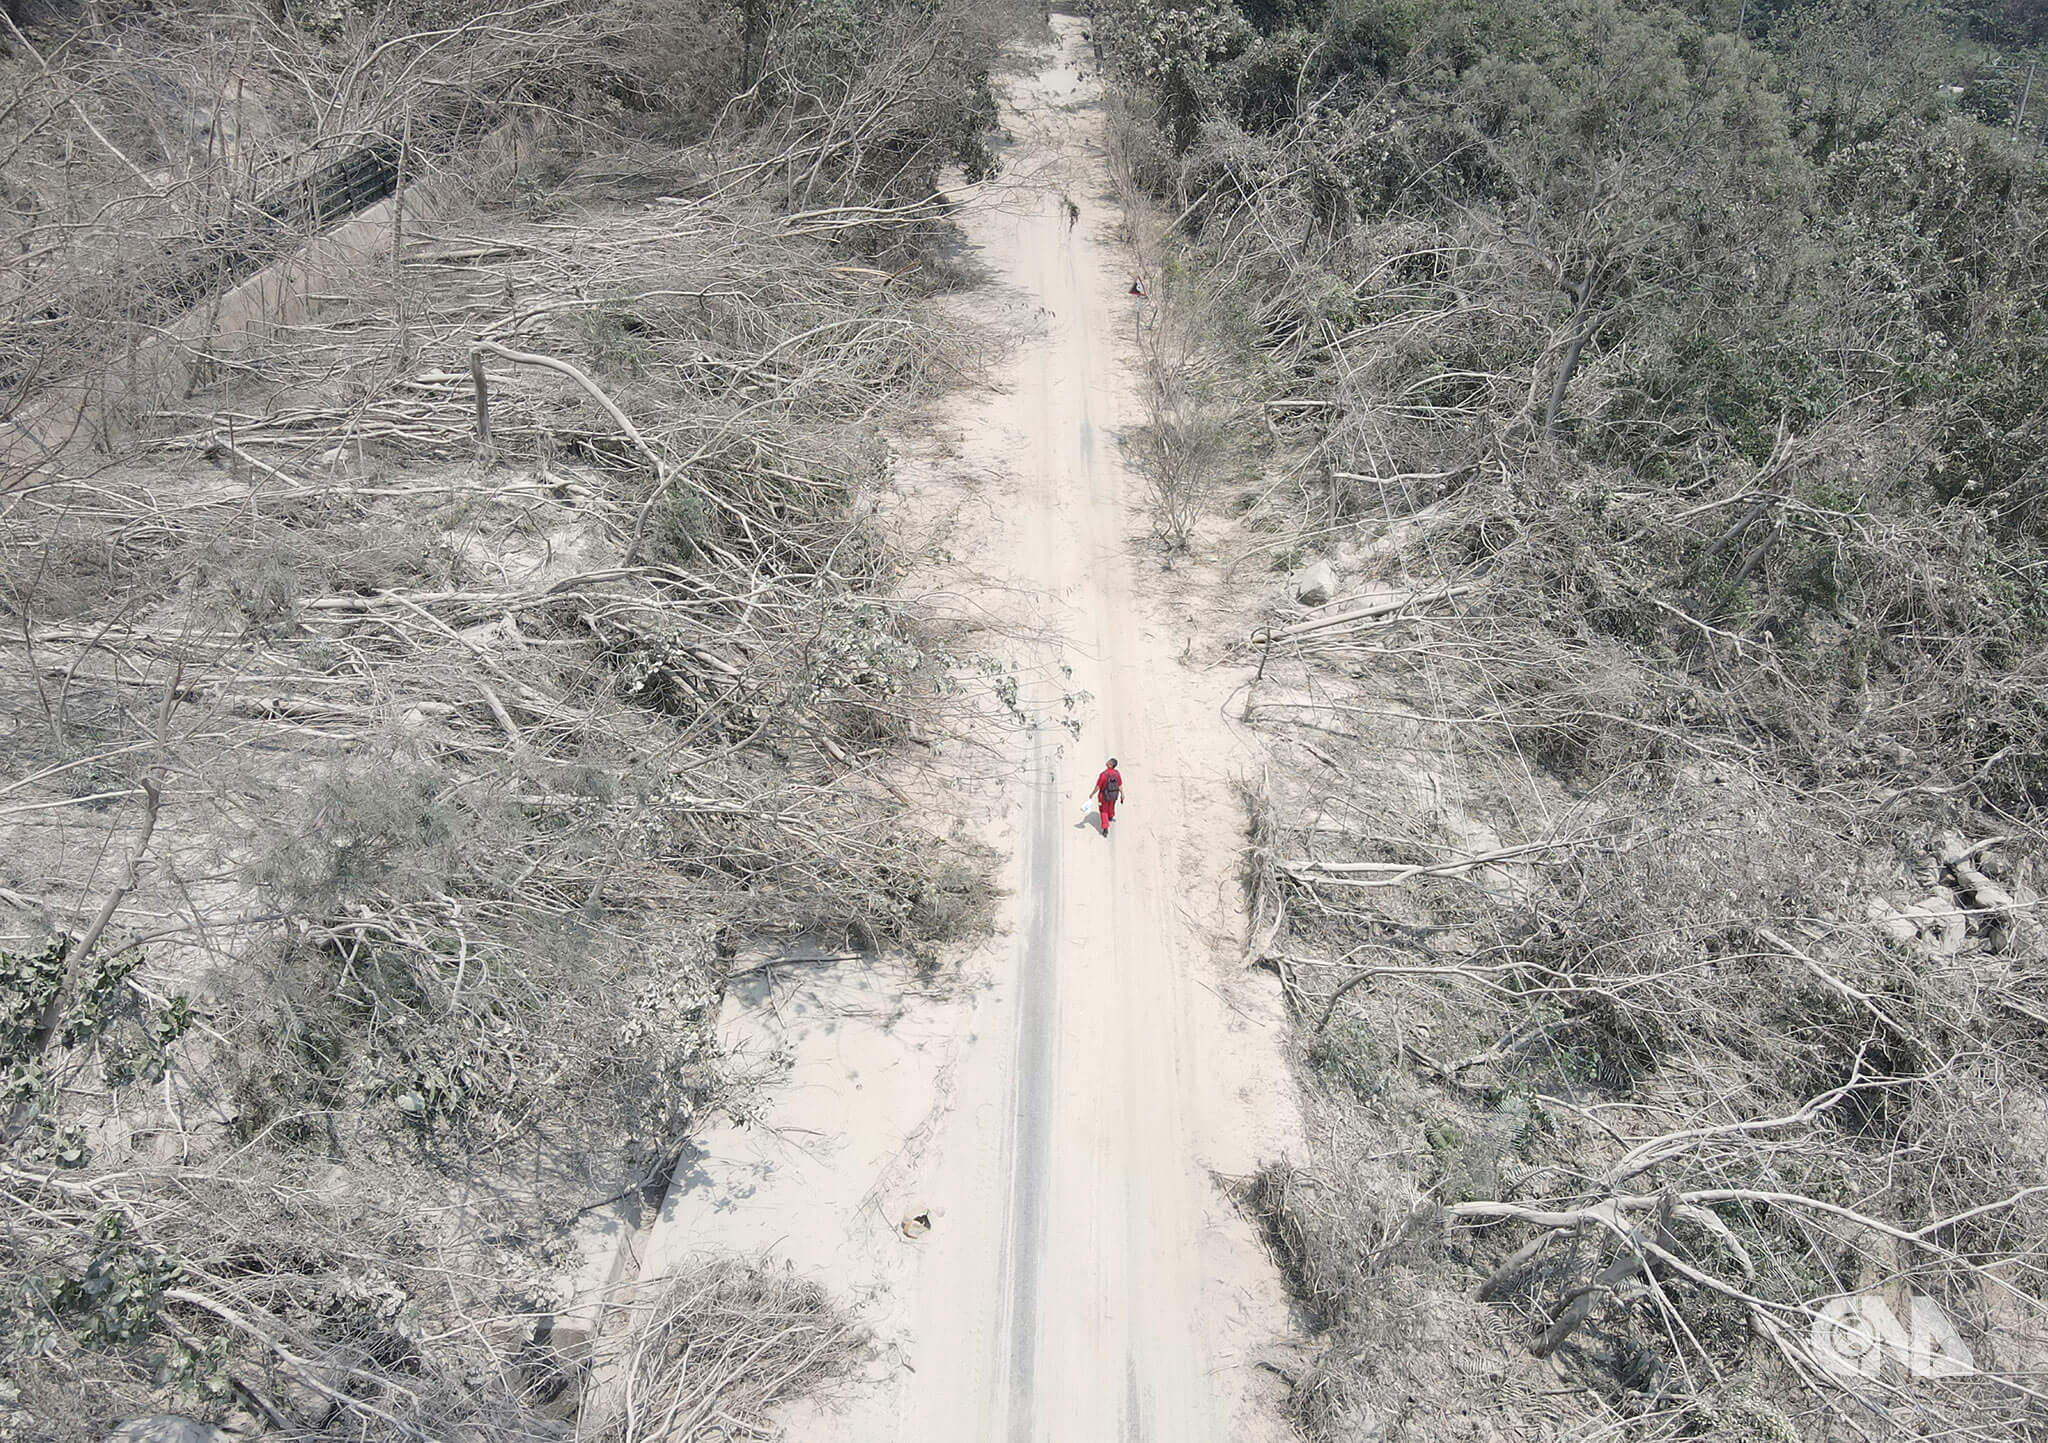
x=1139 y=290
x=1109 y=789
x=1073 y=211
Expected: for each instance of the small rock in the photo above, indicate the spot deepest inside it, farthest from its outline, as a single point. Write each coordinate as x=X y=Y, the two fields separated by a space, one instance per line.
x=1314 y=585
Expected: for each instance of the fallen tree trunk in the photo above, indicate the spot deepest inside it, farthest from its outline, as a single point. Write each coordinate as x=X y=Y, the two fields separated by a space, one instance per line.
x=1385 y=606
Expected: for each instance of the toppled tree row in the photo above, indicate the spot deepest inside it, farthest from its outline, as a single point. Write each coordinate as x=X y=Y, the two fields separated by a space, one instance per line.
x=388 y=792
x=1650 y=844
x=154 y=152
x=1671 y=1096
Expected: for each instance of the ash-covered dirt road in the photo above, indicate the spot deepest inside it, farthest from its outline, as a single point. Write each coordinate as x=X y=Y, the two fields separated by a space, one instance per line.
x=1089 y=1280
x=1086 y=1278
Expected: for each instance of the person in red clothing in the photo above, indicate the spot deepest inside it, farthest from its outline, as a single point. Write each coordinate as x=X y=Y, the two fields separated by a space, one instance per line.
x=1109 y=790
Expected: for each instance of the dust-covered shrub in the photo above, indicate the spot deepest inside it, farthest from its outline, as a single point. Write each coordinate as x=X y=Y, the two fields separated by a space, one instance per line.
x=1357 y=1252
x=1345 y=1053
x=388 y=826
x=263 y=574
x=1181 y=454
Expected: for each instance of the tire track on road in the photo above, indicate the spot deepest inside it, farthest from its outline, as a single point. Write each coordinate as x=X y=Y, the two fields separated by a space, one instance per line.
x=1036 y=1064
